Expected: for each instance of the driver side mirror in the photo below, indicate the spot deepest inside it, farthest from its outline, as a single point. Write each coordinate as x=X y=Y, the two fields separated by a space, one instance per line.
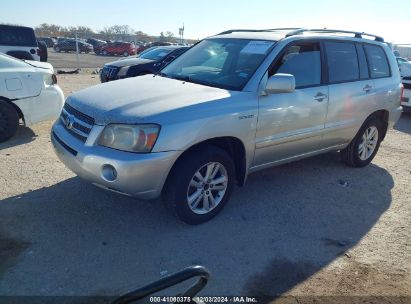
x=280 y=83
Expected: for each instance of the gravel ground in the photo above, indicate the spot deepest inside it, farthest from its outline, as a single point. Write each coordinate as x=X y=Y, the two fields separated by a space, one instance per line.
x=313 y=228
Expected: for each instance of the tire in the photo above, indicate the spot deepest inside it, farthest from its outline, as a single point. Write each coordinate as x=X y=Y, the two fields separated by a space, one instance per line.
x=104 y=53
x=9 y=121
x=353 y=155
x=179 y=186
x=57 y=49
x=126 y=54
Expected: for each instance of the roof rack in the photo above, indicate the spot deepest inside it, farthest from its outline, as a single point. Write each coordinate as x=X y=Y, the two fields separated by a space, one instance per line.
x=297 y=31
x=260 y=31
x=356 y=34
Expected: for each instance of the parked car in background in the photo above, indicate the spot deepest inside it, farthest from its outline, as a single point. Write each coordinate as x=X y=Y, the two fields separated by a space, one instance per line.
x=19 y=42
x=43 y=50
x=97 y=44
x=118 y=48
x=28 y=92
x=50 y=42
x=146 y=46
x=148 y=63
x=404 y=66
x=406 y=99
x=233 y=104
x=69 y=45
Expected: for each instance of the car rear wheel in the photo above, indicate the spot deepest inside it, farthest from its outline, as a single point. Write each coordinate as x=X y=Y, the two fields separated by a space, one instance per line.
x=364 y=147
x=200 y=185
x=104 y=53
x=9 y=121
x=57 y=49
x=125 y=54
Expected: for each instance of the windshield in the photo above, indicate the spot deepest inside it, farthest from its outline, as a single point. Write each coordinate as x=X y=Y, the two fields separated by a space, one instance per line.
x=156 y=54
x=223 y=63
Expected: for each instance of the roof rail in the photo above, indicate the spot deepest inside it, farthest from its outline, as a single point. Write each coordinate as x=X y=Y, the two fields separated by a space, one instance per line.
x=356 y=34
x=260 y=31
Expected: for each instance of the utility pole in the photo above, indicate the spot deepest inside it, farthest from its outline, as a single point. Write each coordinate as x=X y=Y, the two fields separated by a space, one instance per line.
x=181 y=33
x=77 y=54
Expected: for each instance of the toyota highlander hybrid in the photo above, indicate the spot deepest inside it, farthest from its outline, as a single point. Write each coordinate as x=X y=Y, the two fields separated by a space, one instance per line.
x=235 y=103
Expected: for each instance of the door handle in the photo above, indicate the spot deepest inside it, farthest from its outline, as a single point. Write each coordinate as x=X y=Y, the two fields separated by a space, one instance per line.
x=320 y=97
x=367 y=88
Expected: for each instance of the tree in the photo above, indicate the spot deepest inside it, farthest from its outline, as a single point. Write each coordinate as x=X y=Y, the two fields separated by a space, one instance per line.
x=170 y=37
x=162 y=37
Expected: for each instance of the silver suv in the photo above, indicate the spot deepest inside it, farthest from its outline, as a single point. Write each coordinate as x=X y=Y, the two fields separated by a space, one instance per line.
x=234 y=103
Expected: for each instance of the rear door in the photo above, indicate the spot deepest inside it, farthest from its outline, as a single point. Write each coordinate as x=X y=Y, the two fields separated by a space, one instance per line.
x=351 y=91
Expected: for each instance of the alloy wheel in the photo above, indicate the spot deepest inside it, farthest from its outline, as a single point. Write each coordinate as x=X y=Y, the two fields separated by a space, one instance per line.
x=207 y=188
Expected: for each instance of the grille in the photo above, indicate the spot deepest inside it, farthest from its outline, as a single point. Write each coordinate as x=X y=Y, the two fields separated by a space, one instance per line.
x=109 y=72
x=76 y=123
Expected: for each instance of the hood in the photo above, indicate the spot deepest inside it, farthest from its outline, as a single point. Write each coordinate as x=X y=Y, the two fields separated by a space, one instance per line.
x=134 y=100
x=129 y=61
x=41 y=65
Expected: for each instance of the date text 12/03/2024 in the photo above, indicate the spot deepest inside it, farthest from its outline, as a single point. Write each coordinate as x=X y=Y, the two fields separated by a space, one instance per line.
x=203 y=299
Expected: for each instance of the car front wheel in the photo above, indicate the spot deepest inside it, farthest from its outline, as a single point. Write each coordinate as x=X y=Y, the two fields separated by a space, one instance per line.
x=200 y=185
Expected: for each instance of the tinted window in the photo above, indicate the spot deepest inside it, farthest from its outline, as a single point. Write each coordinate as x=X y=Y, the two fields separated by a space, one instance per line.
x=363 y=62
x=303 y=61
x=17 y=36
x=342 y=61
x=156 y=54
x=377 y=61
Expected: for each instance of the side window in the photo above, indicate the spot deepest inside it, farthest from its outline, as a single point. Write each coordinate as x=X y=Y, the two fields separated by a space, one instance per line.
x=377 y=61
x=342 y=61
x=364 y=74
x=303 y=60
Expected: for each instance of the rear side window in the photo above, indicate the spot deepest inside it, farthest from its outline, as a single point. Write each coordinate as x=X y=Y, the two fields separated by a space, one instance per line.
x=17 y=36
x=342 y=62
x=377 y=61
x=303 y=60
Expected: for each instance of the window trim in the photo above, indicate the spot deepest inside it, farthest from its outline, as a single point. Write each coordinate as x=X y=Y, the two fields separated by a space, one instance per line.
x=324 y=75
x=368 y=61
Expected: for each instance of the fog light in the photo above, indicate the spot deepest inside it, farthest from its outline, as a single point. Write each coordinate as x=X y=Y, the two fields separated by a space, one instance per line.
x=109 y=173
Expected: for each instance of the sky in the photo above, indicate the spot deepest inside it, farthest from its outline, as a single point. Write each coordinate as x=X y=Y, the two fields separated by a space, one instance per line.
x=208 y=17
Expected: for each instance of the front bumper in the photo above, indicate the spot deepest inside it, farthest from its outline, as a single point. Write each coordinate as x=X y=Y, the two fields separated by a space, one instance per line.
x=139 y=175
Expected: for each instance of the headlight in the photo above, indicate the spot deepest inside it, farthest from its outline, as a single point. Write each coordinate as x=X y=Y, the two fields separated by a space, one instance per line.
x=131 y=138
x=123 y=71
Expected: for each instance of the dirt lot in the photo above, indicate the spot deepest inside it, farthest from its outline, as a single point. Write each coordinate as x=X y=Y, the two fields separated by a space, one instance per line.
x=314 y=228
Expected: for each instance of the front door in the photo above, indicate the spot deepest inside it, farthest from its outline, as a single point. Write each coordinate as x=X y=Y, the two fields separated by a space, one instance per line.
x=292 y=124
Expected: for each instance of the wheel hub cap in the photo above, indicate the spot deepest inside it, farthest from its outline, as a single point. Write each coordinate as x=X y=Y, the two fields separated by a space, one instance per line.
x=207 y=188
x=368 y=143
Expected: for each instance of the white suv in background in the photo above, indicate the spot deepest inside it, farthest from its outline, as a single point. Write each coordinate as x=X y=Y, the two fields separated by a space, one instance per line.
x=28 y=91
x=406 y=99
x=19 y=42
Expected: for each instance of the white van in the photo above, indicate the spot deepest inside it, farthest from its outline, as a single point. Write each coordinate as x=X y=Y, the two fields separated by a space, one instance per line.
x=19 y=42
